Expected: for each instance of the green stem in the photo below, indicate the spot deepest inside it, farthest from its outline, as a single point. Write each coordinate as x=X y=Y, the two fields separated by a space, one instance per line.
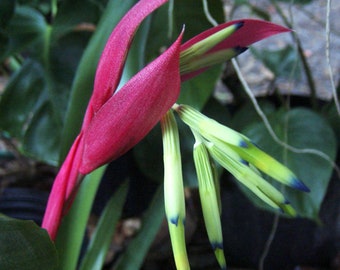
x=71 y=233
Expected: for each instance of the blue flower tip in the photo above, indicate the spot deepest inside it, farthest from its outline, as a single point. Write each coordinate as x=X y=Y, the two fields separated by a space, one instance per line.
x=217 y=245
x=238 y=49
x=286 y=201
x=243 y=144
x=297 y=184
x=174 y=220
x=239 y=24
x=244 y=162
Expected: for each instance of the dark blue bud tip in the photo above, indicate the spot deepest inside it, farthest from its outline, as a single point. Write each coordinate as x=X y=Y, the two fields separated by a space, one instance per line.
x=286 y=201
x=239 y=49
x=243 y=144
x=216 y=245
x=239 y=24
x=297 y=184
x=244 y=162
x=174 y=220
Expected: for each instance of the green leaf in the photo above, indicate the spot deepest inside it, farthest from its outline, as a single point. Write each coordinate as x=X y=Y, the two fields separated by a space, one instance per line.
x=197 y=91
x=101 y=239
x=300 y=128
x=22 y=96
x=137 y=249
x=41 y=139
x=74 y=12
x=25 y=30
x=6 y=12
x=283 y=62
x=23 y=245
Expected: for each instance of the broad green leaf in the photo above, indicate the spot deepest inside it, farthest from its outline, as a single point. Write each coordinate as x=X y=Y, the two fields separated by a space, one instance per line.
x=65 y=54
x=22 y=96
x=283 y=62
x=330 y=112
x=23 y=245
x=134 y=255
x=101 y=239
x=300 y=128
x=42 y=138
x=25 y=30
x=246 y=114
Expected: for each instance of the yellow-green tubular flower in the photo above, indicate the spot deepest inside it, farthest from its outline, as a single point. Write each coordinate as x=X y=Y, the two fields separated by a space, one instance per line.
x=198 y=49
x=173 y=190
x=226 y=156
x=209 y=201
x=221 y=135
x=209 y=59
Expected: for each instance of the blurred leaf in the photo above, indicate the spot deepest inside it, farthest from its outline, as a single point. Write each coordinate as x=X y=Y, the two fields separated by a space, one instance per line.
x=72 y=13
x=246 y=114
x=134 y=255
x=23 y=245
x=65 y=54
x=6 y=12
x=101 y=239
x=283 y=63
x=25 y=30
x=42 y=138
x=300 y=128
x=21 y=98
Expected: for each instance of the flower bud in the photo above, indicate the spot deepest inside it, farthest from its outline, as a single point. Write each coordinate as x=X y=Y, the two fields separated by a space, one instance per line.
x=173 y=189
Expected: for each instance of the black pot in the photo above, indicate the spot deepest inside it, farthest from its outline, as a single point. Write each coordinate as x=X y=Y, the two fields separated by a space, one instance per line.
x=23 y=203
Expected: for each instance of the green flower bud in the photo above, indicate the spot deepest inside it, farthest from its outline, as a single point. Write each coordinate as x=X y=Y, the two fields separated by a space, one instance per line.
x=173 y=189
x=221 y=135
x=209 y=200
x=199 y=48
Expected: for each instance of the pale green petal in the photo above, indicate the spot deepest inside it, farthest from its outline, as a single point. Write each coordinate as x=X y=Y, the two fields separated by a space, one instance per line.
x=249 y=178
x=209 y=200
x=173 y=189
x=201 y=47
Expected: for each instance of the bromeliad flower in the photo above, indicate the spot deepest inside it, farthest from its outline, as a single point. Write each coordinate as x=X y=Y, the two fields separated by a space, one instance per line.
x=115 y=121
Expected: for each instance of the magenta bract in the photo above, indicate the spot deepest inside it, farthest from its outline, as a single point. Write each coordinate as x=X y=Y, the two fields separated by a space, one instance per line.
x=133 y=111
